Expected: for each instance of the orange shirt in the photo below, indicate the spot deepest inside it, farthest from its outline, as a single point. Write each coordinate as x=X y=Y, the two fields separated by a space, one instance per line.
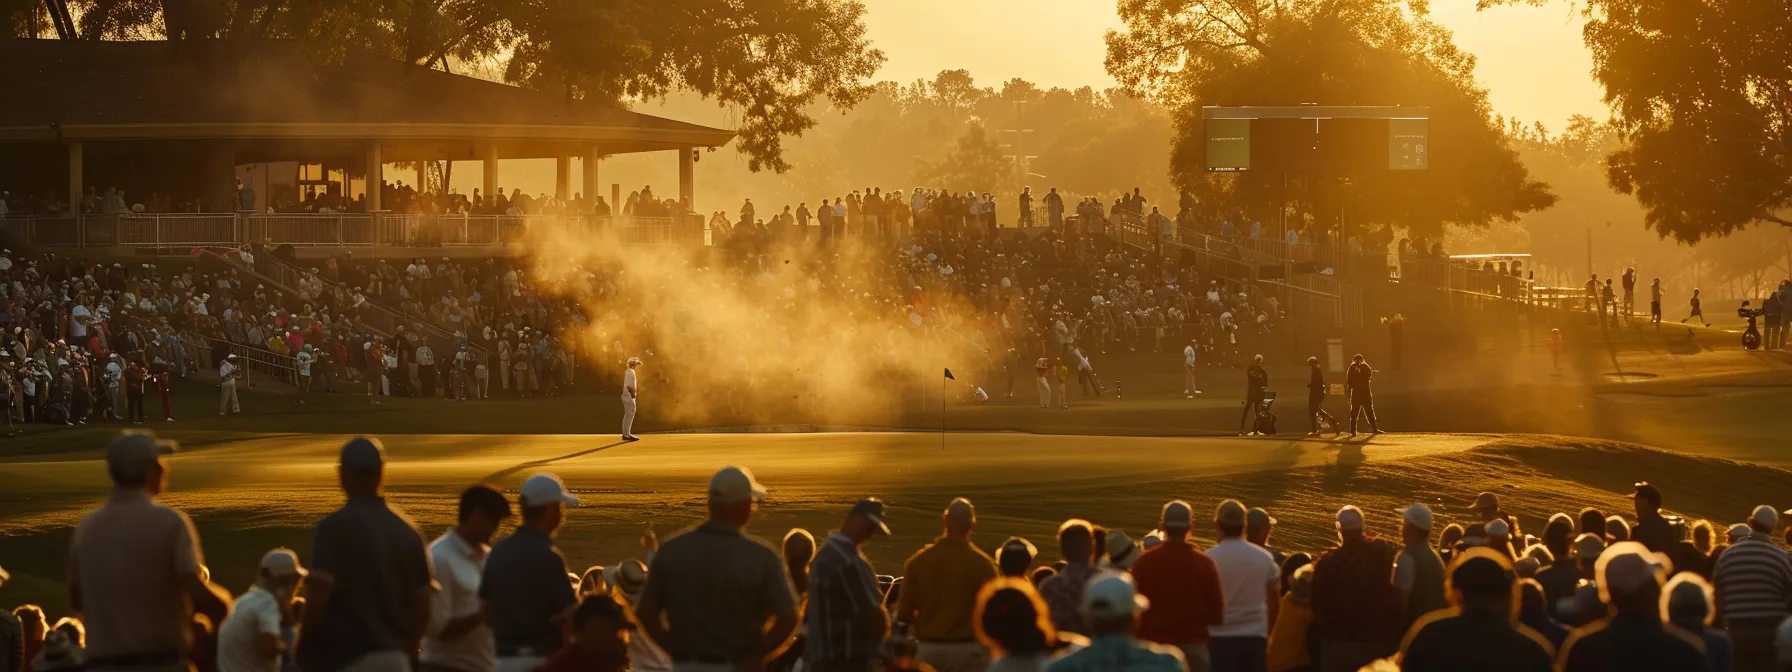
x=1183 y=585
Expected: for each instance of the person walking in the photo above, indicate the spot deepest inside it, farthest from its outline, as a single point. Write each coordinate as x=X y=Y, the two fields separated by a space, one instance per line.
x=1316 y=392
x=457 y=638
x=1362 y=400
x=1256 y=385
x=526 y=596
x=367 y=597
x=845 y=621
x=1355 y=605
x=1753 y=583
x=1696 y=309
x=719 y=621
x=1184 y=584
x=1481 y=587
x=256 y=634
x=630 y=392
x=1252 y=585
x=939 y=594
x=1115 y=610
x=228 y=371
x=1655 y=301
x=135 y=567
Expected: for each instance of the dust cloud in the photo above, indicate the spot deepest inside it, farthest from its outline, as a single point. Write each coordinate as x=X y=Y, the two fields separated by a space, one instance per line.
x=841 y=332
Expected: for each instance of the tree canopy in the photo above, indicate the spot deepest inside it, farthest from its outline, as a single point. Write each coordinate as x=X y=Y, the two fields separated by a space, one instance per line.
x=769 y=59
x=1190 y=53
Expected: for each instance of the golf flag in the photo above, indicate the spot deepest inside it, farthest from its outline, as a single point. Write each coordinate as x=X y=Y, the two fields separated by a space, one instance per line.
x=949 y=375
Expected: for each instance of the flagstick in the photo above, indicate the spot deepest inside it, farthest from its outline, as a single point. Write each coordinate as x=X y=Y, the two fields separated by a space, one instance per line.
x=942 y=413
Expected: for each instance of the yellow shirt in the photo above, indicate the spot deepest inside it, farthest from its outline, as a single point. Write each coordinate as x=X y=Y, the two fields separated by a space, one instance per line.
x=1288 y=638
x=939 y=590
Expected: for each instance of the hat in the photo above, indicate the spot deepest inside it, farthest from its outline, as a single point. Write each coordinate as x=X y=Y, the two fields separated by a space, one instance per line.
x=1175 y=513
x=363 y=454
x=1526 y=567
x=629 y=576
x=1112 y=594
x=1648 y=492
x=281 y=563
x=1258 y=517
x=1417 y=515
x=1487 y=500
x=133 y=452
x=1498 y=528
x=1628 y=566
x=1740 y=531
x=1121 y=551
x=734 y=485
x=1019 y=545
x=1764 y=517
x=872 y=509
x=1230 y=513
x=1153 y=539
x=230 y=356
x=543 y=489
x=1350 y=518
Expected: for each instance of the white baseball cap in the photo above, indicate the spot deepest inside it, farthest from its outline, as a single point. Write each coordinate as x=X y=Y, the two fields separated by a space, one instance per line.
x=734 y=485
x=544 y=489
x=1111 y=593
x=1418 y=515
x=282 y=562
x=1350 y=518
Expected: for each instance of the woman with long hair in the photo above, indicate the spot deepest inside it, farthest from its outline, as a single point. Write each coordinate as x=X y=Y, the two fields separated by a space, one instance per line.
x=1013 y=623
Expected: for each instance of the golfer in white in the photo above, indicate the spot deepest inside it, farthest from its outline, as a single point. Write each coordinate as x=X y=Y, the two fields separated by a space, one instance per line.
x=1189 y=388
x=628 y=400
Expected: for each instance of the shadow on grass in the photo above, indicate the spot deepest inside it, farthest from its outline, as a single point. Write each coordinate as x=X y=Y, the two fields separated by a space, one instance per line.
x=533 y=464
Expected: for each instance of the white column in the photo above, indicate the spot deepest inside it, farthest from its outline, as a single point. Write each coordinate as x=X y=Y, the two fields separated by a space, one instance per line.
x=375 y=176
x=687 y=177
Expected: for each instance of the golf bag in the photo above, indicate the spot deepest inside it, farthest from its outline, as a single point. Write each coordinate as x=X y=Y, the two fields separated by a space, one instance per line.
x=1266 y=421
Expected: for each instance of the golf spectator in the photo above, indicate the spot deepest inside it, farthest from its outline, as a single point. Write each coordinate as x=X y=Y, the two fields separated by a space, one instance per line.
x=136 y=568
x=1015 y=557
x=1258 y=525
x=718 y=599
x=1419 y=573
x=527 y=603
x=1013 y=624
x=1616 y=529
x=1583 y=605
x=1633 y=636
x=845 y=621
x=939 y=594
x=367 y=597
x=1533 y=612
x=1184 y=585
x=598 y=643
x=1362 y=400
x=1686 y=603
x=1561 y=576
x=1292 y=632
x=1112 y=609
x=1063 y=591
x=254 y=636
x=1252 y=585
x=458 y=638
x=1357 y=608
x=799 y=551
x=12 y=637
x=1753 y=582
x=31 y=623
x=1479 y=635
x=643 y=654
x=1652 y=530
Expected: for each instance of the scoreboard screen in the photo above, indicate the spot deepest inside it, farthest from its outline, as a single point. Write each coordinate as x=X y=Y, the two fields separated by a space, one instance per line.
x=1317 y=139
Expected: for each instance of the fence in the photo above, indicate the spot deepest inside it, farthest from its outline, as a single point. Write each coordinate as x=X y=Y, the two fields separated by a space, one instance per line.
x=335 y=230
x=256 y=362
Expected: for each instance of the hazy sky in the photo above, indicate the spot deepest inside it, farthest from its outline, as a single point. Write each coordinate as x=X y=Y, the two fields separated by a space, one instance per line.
x=1531 y=59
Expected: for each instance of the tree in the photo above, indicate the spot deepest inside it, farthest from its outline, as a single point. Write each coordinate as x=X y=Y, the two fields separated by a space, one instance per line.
x=975 y=163
x=770 y=59
x=1340 y=52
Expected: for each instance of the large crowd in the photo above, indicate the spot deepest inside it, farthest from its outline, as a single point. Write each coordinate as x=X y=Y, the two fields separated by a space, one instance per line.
x=1641 y=591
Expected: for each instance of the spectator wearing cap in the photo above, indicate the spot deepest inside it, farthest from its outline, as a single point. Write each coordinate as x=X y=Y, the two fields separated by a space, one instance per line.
x=1479 y=634
x=718 y=599
x=367 y=597
x=1616 y=529
x=228 y=371
x=1583 y=605
x=1419 y=573
x=1252 y=586
x=1753 y=582
x=1487 y=508
x=1633 y=636
x=1063 y=590
x=845 y=621
x=598 y=644
x=1686 y=603
x=1358 y=609
x=1292 y=632
x=1652 y=530
x=136 y=568
x=1183 y=585
x=526 y=601
x=939 y=594
x=1258 y=525
x=1014 y=625
x=629 y=578
x=252 y=638
x=1015 y=557
x=1112 y=608
x=457 y=638
x=1561 y=576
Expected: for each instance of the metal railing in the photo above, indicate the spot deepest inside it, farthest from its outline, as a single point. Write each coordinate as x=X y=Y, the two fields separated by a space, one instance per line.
x=256 y=362
x=336 y=230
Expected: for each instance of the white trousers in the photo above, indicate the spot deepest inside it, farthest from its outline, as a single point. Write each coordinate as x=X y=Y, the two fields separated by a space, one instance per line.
x=227 y=400
x=628 y=415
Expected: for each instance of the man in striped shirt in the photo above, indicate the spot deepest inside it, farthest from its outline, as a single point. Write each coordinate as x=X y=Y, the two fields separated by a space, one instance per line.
x=846 y=622
x=1754 y=589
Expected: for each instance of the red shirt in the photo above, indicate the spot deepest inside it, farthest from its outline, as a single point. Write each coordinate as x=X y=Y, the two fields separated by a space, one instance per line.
x=1183 y=585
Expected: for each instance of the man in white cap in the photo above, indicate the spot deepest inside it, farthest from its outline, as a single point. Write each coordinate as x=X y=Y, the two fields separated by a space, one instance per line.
x=845 y=620
x=1252 y=583
x=709 y=620
x=458 y=639
x=1633 y=637
x=1184 y=583
x=1113 y=610
x=1356 y=606
x=135 y=567
x=1753 y=580
x=528 y=602
x=228 y=371
x=1419 y=573
x=367 y=597
x=939 y=594
x=630 y=390
x=255 y=634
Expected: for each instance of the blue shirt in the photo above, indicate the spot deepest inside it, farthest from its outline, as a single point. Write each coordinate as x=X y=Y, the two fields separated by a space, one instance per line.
x=1120 y=653
x=377 y=558
x=525 y=585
